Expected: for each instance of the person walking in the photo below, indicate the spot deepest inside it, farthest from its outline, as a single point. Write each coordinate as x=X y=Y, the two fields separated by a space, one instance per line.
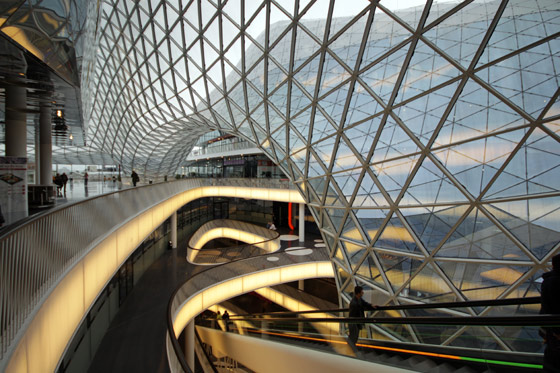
x=225 y=317
x=64 y=178
x=86 y=177
x=550 y=305
x=135 y=178
x=358 y=306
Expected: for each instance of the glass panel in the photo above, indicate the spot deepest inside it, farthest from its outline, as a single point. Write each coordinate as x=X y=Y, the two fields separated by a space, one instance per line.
x=393 y=174
x=478 y=238
x=432 y=224
x=535 y=222
x=396 y=237
x=393 y=142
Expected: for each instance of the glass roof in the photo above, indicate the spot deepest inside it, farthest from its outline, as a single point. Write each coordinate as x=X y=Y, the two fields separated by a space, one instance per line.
x=424 y=139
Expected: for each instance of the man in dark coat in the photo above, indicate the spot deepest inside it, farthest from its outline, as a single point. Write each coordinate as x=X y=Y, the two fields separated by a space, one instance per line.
x=550 y=305
x=357 y=308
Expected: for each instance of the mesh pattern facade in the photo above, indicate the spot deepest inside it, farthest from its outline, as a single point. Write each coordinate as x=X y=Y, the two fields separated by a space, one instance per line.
x=425 y=140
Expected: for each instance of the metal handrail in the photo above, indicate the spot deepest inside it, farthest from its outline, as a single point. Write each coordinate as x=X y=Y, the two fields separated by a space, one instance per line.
x=446 y=305
x=36 y=254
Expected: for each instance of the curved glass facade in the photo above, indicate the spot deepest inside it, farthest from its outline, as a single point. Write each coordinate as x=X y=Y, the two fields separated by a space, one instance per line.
x=425 y=140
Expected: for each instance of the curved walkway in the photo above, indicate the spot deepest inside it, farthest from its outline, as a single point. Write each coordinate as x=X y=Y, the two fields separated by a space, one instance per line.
x=135 y=341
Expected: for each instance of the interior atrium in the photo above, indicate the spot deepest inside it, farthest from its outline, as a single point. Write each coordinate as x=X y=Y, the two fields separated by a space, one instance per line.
x=422 y=136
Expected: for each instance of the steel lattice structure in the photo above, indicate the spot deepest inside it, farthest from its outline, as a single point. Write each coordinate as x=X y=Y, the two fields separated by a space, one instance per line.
x=425 y=140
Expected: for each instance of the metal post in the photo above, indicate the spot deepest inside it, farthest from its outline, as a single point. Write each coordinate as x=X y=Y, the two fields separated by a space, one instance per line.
x=45 y=145
x=189 y=344
x=174 y=230
x=301 y=222
x=16 y=121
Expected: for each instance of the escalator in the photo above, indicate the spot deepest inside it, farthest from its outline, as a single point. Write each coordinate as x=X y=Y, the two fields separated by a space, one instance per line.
x=422 y=341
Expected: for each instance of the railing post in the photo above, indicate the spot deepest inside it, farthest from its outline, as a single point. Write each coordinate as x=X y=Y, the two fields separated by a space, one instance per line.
x=189 y=345
x=301 y=222
x=174 y=230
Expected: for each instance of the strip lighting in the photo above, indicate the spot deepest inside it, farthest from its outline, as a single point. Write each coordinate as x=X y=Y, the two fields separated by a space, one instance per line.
x=291 y=225
x=423 y=353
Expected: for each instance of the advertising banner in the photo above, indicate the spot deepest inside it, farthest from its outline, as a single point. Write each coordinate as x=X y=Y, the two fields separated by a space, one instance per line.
x=13 y=189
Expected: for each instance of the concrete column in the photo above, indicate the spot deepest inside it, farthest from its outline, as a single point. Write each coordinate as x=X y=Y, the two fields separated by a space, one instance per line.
x=189 y=344
x=45 y=146
x=174 y=230
x=301 y=222
x=16 y=125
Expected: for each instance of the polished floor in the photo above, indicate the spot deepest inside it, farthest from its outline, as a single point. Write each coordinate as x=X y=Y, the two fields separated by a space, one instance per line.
x=135 y=341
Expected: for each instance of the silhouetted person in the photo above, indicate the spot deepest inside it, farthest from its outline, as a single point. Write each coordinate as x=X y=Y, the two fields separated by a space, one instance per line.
x=86 y=177
x=357 y=308
x=135 y=178
x=59 y=184
x=225 y=317
x=550 y=305
x=64 y=178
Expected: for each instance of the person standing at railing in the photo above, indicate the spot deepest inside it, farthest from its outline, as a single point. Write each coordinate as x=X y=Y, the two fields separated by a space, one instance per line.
x=358 y=306
x=135 y=178
x=550 y=305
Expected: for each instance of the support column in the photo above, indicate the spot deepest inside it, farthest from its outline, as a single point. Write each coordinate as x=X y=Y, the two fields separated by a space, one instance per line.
x=16 y=125
x=189 y=344
x=301 y=222
x=45 y=146
x=174 y=230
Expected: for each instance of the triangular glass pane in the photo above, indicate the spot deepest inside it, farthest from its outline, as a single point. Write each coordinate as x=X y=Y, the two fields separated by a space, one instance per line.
x=333 y=104
x=396 y=237
x=333 y=198
x=371 y=220
x=257 y=25
x=522 y=23
x=281 y=51
x=305 y=47
x=422 y=116
x=298 y=160
x=362 y=135
x=475 y=163
x=370 y=272
x=336 y=217
x=476 y=113
x=482 y=280
x=338 y=254
x=333 y=74
x=385 y=33
x=280 y=97
x=298 y=100
x=316 y=166
x=344 y=277
x=535 y=222
x=393 y=174
x=302 y=123
x=296 y=143
x=321 y=127
x=431 y=224
x=345 y=157
x=382 y=77
x=477 y=237
x=307 y=76
x=351 y=232
x=393 y=142
x=461 y=43
x=534 y=169
x=528 y=79
x=280 y=137
x=362 y=105
x=368 y=194
x=427 y=285
x=279 y=21
x=324 y=150
x=398 y=270
x=427 y=69
x=347 y=181
x=347 y=45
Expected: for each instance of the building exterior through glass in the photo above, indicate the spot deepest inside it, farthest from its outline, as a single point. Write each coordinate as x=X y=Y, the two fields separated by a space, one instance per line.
x=425 y=139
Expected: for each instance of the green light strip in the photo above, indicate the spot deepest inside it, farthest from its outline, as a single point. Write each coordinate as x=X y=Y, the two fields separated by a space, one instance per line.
x=499 y=362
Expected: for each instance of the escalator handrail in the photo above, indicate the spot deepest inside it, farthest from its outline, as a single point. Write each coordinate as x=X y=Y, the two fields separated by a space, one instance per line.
x=529 y=320
x=477 y=303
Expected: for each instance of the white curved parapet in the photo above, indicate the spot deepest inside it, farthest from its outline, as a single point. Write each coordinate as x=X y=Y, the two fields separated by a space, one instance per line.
x=261 y=237
x=89 y=240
